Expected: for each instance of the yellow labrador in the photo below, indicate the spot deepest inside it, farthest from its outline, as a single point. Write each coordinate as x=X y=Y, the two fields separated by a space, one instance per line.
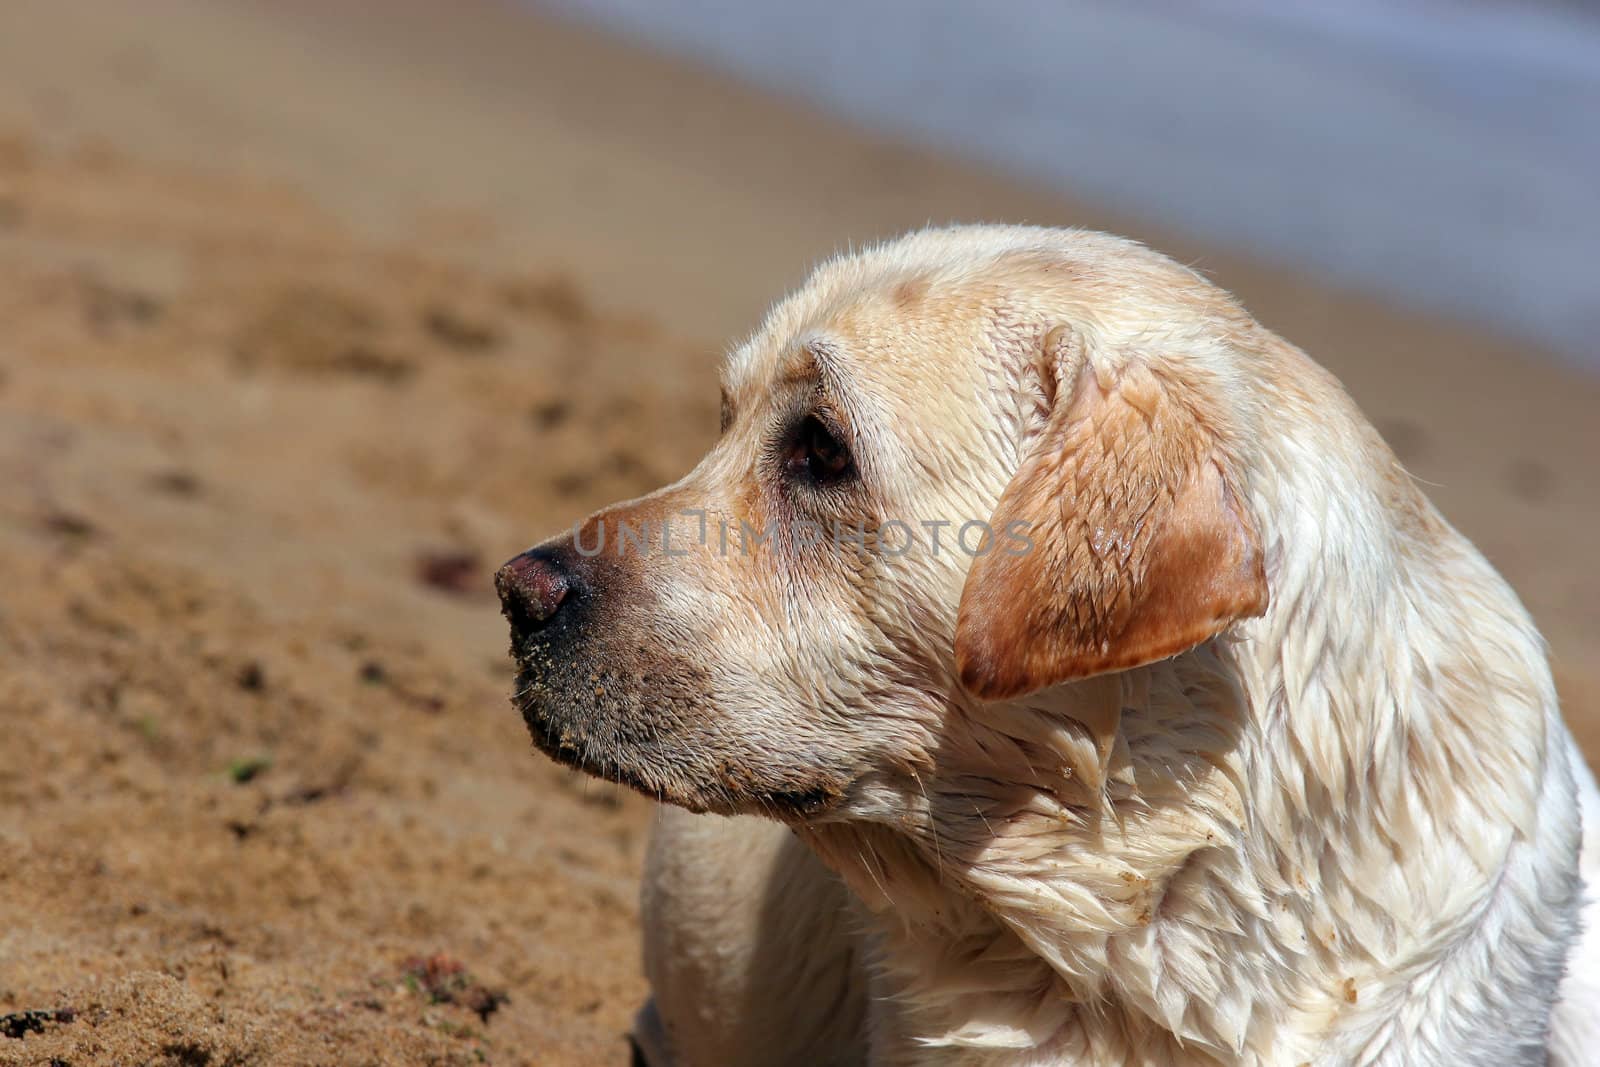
x=1071 y=676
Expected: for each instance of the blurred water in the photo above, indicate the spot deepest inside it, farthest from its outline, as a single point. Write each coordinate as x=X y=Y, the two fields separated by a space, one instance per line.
x=1438 y=154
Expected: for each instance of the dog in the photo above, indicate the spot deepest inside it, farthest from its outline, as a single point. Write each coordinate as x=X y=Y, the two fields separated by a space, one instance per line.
x=1050 y=665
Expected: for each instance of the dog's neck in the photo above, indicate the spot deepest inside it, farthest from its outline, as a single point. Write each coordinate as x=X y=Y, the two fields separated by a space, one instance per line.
x=1022 y=914
x=1252 y=853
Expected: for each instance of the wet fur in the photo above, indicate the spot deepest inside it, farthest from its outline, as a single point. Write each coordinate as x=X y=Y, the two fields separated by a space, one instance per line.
x=1256 y=761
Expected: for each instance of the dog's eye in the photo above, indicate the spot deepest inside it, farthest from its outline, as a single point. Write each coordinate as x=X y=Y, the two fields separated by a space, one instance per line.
x=816 y=454
x=726 y=418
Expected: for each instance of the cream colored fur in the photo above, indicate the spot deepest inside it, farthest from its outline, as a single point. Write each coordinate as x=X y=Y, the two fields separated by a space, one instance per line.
x=1343 y=831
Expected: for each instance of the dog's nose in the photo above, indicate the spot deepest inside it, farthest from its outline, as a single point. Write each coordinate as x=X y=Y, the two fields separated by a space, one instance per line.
x=532 y=588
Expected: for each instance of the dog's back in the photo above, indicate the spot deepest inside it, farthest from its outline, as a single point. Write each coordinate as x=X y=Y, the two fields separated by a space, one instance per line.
x=1575 y=1025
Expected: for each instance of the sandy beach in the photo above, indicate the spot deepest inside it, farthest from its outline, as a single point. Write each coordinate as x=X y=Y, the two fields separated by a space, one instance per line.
x=309 y=317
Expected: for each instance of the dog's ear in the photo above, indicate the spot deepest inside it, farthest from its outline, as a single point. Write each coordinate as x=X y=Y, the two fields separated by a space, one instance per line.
x=1119 y=541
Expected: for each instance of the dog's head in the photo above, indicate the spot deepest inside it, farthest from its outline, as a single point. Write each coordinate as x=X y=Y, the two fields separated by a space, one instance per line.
x=953 y=471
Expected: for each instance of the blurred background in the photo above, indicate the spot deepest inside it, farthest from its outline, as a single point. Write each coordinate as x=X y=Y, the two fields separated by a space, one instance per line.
x=1442 y=153
x=312 y=313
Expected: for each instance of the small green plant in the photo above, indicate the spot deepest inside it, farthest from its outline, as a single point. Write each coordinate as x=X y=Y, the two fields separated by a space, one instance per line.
x=247 y=768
